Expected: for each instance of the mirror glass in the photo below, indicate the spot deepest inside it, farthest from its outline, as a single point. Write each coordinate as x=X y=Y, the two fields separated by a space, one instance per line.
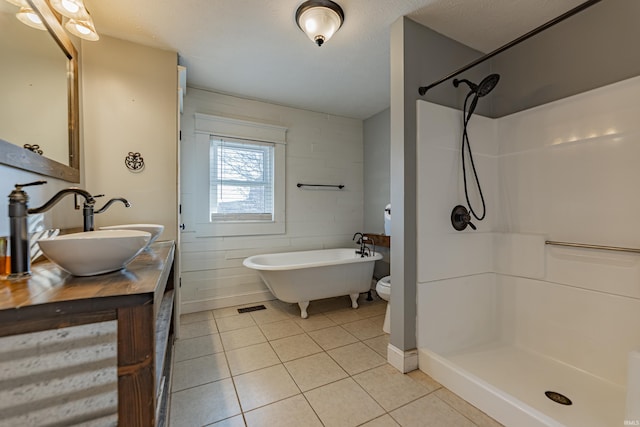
x=33 y=81
x=38 y=81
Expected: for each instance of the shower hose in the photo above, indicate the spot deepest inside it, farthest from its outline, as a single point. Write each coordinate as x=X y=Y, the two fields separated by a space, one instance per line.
x=465 y=142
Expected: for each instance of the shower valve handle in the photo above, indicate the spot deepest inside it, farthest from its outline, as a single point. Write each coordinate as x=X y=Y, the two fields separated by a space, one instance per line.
x=460 y=218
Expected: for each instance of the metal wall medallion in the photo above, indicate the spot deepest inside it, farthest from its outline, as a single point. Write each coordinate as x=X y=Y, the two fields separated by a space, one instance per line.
x=134 y=162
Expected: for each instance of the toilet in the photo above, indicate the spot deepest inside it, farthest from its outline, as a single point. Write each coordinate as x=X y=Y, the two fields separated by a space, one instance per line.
x=383 y=288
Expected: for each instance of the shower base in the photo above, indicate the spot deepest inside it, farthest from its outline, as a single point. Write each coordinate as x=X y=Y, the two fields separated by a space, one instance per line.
x=509 y=384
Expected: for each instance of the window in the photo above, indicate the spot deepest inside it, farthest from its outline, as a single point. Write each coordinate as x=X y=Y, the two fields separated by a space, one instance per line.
x=241 y=180
x=240 y=177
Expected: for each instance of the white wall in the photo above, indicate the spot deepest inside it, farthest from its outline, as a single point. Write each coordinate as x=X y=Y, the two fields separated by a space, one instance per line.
x=130 y=105
x=444 y=252
x=570 y=168
x=321 y=149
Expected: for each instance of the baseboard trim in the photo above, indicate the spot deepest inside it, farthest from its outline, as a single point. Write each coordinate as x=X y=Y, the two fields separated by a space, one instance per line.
x=403 y=361
x=214 y=303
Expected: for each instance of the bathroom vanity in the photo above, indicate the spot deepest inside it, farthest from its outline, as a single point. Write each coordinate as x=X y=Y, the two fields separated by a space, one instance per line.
x=139 y=299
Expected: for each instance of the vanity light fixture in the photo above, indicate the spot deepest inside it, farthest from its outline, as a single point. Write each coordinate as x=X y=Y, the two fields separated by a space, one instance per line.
x=83 y=28
x=77 y=17
x=319 y=19
x=79 y=22
x=72 y=9
x=29 y=17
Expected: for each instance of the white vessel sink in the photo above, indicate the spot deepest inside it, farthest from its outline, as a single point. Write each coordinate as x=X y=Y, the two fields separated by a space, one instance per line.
x=155 y=229
x=94 y=252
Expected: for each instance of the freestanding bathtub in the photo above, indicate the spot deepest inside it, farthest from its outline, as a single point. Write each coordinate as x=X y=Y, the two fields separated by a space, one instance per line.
x=300 y=277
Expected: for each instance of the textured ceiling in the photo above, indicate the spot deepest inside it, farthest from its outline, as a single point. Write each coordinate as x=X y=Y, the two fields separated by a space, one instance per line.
x=254 y=49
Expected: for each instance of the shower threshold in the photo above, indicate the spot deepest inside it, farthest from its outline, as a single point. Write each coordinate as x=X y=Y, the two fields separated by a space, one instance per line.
x=511 y=383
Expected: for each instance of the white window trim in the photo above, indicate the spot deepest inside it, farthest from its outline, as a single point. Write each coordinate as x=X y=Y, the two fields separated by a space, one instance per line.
x=207 y=126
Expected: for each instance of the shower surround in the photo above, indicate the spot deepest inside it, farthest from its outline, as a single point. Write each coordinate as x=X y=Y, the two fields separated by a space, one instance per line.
x=502 y=317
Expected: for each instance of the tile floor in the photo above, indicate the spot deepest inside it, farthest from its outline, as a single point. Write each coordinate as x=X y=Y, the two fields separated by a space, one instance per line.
x=272 y=368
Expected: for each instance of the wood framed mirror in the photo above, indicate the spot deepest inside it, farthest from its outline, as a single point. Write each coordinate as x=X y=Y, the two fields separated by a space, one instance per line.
x=12 y=152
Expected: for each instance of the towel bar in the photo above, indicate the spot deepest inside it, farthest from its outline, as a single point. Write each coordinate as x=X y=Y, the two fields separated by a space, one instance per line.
x=341 y=186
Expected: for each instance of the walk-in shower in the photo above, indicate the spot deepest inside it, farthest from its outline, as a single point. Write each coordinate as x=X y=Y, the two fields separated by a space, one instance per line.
x=533 y=334
x=504 y=320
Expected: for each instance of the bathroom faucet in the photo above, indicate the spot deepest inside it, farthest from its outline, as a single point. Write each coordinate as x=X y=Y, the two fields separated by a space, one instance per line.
x=89 y=209
x=87 y=212
x=112 y=201
x=19 y=233
x=362 y=241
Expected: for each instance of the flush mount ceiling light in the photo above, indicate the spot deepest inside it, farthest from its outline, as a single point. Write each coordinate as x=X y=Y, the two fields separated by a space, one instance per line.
x=319 y=19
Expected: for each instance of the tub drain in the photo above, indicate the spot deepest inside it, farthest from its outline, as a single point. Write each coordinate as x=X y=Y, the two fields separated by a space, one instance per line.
x=558 y=398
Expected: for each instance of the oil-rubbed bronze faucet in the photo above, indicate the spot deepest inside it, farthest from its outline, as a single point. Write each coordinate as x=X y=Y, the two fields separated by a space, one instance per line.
x=362 y=241
x=112 y=201
x=88 y=211
x=18 y=211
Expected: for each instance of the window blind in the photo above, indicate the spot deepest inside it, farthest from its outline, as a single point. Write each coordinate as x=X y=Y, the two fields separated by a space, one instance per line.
x=241 y=180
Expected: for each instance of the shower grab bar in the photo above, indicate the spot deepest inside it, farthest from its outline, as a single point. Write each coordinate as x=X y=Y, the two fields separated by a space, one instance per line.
x=582 y=245
x=341 y=186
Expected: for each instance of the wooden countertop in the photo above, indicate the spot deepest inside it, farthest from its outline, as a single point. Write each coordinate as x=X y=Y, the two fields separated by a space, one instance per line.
x=52 y=292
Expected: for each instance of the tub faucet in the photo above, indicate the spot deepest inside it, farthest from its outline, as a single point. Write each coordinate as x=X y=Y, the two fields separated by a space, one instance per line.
x=19 y=233
x=362 y=241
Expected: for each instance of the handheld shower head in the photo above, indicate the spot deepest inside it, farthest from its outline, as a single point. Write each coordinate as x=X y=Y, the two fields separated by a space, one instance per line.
x=487 y=84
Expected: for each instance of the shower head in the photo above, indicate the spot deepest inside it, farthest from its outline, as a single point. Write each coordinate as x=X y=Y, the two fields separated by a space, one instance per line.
x=486 y=85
